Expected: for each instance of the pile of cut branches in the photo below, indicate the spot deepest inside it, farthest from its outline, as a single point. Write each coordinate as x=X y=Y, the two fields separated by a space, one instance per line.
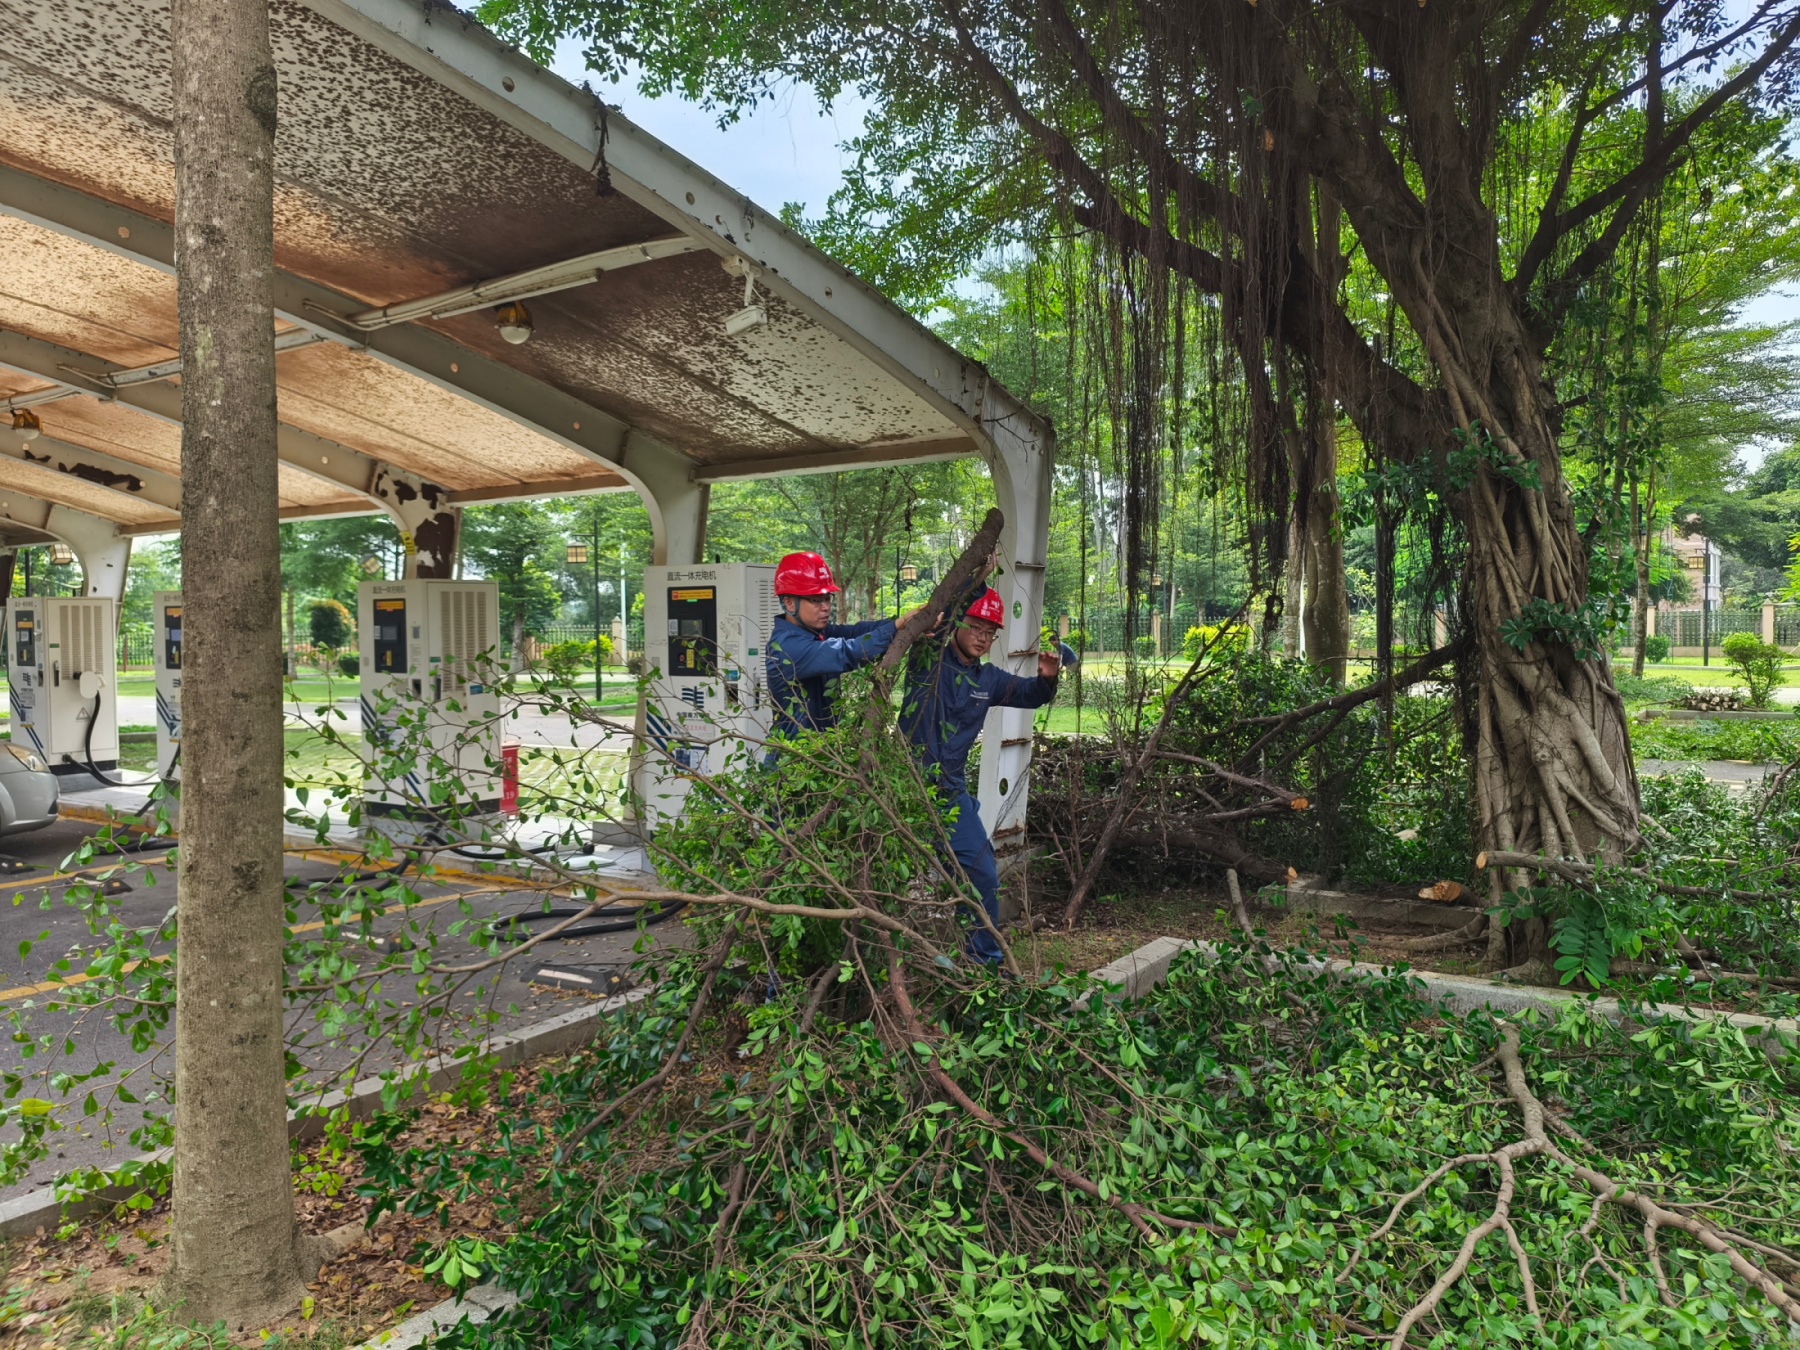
x=1248 y=761
x=1251 y=1154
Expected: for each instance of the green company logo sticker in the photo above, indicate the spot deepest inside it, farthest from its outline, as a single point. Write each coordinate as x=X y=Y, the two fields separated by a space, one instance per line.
x=1018 y=608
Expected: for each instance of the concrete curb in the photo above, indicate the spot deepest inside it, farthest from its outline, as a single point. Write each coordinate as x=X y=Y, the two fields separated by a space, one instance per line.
x=1136 y=973
x=478 y=1303
x=24 y=1215
x=1723 y=715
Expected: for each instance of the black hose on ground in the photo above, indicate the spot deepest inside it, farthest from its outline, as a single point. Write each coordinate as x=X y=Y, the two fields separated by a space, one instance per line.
x=630 y=918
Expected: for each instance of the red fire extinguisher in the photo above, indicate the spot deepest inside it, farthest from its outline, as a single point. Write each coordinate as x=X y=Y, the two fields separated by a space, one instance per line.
x=509 y=778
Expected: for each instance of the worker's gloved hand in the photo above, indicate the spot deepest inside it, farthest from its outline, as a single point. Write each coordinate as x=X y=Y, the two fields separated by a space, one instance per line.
x=906 y=614
x=1049 y=665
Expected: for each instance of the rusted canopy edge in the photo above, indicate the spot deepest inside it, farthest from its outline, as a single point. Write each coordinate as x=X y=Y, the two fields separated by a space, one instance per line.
x=455 y=51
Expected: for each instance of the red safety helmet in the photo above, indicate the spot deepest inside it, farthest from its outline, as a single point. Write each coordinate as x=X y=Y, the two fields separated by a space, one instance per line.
x=804 y=574
x=990 y=608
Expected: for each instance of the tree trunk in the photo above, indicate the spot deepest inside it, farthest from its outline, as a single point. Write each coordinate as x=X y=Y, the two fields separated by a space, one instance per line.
x=235 y=1249
x=1293 y=587
x=1640 y=559
x=1553 y=764
x=1327 y=615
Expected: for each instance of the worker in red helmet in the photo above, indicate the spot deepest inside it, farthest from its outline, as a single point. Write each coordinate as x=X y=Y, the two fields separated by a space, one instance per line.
x=807 y=651
x=949 y=691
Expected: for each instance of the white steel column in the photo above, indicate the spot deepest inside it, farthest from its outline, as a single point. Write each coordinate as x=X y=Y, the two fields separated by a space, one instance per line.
x=675 y=502
x=104 y=553
x=1020 y=462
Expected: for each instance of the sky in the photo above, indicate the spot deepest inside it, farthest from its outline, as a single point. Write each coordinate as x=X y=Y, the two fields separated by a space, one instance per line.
x=785 y=151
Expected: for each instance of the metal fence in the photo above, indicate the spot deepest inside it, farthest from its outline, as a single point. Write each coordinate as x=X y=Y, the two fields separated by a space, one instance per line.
x=1692 y=628
x=137 y=645
x=582 y=632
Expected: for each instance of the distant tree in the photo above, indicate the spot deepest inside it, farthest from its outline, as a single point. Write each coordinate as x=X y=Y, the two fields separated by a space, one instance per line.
x=154 y=567
x=328 y=624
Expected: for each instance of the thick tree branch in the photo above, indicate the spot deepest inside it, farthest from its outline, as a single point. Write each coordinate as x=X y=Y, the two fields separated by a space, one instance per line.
x=1629 y=191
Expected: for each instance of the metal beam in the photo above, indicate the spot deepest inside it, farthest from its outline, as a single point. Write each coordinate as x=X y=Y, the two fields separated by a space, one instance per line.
x=528 y=285
x=549 y=487
x=97 y=470
x=522 y=399
x=896 y=456
x=336 y=464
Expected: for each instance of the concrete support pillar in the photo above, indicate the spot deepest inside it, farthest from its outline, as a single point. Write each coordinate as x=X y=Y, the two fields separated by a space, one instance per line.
x=618 y=641
x=1156 y=633
x=103 y=552
x=8 y=560
x=430 y=524
x=1649 y=620
x=1768 y=622
x=1020 y=462
x=676 y=503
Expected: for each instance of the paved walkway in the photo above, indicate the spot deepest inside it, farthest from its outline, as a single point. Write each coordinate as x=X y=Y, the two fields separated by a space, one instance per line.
x=1732 y=774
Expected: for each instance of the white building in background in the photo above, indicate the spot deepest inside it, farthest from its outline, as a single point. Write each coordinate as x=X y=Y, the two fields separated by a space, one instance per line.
x=1700 y=559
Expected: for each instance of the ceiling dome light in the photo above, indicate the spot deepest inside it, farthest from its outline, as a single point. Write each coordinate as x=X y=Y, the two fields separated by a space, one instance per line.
x=27 y=424
x=514 y=322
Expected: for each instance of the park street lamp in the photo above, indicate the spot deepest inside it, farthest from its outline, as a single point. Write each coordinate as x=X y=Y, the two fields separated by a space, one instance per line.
x=580 y=553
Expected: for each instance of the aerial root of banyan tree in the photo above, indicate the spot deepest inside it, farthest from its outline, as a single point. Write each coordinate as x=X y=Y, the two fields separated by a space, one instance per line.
x=1539 y=1125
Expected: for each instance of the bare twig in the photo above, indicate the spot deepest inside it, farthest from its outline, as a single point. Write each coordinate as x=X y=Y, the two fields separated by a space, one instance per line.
x=1123 y=807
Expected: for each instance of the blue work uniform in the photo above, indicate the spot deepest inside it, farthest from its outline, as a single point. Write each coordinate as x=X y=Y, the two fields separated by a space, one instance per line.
x=946 y=704
x=802 y=666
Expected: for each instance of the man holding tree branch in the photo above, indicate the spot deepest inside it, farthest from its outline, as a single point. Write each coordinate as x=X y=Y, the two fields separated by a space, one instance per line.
x=949 y=690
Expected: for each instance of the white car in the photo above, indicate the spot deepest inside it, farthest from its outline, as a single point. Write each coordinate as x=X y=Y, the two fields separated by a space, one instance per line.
x=28 y=792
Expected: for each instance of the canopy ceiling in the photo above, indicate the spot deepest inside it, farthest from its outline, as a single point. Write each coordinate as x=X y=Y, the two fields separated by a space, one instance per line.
x=418 y=156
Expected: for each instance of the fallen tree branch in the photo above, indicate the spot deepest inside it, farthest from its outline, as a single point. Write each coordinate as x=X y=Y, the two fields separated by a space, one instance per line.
x=1605 y=1191
x=968 y=565
x=1134 y=1214
x=1274 y=790
x=1221 y=846
x=1438 y=942
x=1349 y=701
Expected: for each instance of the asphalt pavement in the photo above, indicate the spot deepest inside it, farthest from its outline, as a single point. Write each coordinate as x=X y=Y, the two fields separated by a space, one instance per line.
x=41 y=916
